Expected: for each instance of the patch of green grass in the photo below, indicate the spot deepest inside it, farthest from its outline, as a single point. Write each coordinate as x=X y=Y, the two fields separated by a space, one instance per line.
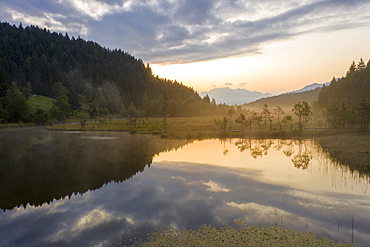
x=179 y=127
x=241 y=235
x=189 y=127
x=40 y=102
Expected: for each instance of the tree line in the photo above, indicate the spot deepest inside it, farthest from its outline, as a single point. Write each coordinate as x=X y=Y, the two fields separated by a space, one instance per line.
x=346 y=101
x=76 y=72
x=247 y=120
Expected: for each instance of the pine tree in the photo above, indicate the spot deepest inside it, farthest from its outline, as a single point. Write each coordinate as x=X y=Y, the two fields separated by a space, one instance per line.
x=352 y=69
x=361 y=66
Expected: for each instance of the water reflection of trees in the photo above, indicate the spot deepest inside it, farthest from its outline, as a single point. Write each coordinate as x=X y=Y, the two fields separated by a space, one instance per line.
x=257 y=148
x=302 y=159
x=300 y=152
x=38 y=166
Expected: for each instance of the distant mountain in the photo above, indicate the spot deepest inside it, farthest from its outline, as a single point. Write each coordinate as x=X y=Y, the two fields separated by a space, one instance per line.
x=285 y=101
x=310 y=87
x=234 y=96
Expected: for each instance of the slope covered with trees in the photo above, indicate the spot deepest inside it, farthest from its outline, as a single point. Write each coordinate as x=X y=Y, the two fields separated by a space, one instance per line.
x=79 y=71
x=285 y=101
x=349 y=90
x=346 y=102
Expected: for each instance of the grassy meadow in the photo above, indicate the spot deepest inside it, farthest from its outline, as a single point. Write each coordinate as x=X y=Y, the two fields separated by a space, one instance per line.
x=40 y=102
x=171 y=127
x=186 y=127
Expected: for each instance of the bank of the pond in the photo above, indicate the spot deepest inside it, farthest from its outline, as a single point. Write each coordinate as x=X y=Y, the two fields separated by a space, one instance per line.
x=15 y=125
x=190 y=128
x=350 y=149
x=241 y=235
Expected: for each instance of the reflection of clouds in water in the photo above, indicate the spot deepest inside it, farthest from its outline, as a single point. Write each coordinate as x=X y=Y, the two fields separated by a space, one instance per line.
x=178 y=178
x=260 y=213
x=99 y=137
x=215 y=187
x=331 y=201
x=92 y=219
x=177 y=195
x=258 y=210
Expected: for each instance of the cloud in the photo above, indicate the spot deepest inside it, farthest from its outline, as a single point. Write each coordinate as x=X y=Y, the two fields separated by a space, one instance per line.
x=168 y=31
x=215 y=187
x=98 y=9
x=45 y=16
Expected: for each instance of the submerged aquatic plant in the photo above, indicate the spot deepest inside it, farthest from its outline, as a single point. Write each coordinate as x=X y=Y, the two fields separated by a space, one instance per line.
x=240 y=235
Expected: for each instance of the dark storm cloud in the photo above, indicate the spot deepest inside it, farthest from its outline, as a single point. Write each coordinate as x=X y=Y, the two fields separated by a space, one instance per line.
x=168 y=31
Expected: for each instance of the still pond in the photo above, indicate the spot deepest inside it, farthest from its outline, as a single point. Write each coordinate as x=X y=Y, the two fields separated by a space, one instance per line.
x=96 y=188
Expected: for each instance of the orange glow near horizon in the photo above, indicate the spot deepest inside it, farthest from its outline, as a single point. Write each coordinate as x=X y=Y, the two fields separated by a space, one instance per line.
x=281 y=66
x=273 y=166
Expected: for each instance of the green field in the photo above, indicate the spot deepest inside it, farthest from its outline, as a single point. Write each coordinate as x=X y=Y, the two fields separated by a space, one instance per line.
x=40 y=102
x=186 y=127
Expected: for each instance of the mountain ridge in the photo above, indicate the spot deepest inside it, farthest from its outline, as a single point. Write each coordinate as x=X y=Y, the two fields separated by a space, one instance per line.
x=231 y=96
x=285 y=101
x=242 y=96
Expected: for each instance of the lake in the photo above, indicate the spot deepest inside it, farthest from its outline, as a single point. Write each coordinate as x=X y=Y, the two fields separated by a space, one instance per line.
x=97 y=188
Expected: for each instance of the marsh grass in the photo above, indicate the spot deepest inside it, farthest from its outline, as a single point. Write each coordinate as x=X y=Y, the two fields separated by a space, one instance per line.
x=350 y=149
x=194 y=127
x=181 y=127
x=239 y=235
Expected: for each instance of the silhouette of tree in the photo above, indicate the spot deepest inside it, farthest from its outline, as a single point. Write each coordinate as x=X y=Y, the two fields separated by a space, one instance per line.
x=241 y=120
x=304 y=113
x=279 y=111
x=288 y=120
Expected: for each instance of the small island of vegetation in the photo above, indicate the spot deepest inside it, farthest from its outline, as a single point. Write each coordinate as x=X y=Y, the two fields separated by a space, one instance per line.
x=240 y=235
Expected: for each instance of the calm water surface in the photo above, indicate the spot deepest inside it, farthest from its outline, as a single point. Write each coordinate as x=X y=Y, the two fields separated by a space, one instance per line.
x=95 y=188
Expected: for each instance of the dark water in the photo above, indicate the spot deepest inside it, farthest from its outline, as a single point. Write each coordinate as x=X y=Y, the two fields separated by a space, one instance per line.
x=95 y=188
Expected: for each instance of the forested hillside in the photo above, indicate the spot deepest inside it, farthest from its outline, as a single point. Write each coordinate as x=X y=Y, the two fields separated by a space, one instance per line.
x=285 y=101
x=110 y=81
x=346 y=102
x=349 y=90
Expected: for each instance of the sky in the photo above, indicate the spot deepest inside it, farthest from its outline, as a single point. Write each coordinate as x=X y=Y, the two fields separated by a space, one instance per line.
x=270 y=46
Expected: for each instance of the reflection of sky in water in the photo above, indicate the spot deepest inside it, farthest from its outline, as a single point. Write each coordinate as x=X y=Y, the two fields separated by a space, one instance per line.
x=274 y=164
x=99 y=137
x=177 y=191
